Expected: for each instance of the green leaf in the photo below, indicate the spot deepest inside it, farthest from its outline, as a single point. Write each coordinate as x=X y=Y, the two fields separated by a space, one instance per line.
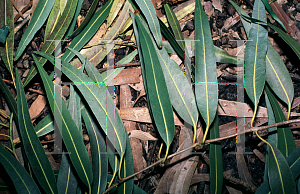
x=179 y=89
x=99 y=155
x=157 y=95
x=294 y=163
x=86 y=19
x=45 y=126
x=35 y=153
x=149 y=12
x=215 y=159
x=22 y=181
x=277 y=74
x=7 y=49
x=66 y=180
x=285 y=139
x=126 y=170
x=70 y=133
x=95 y=95
x=271 y=12
x=39 y=17
x=3 y=185
x=255 y=55
x=3 y=33
x=74 y=20
x=54 y=17
x=58 y=33
x=169 y=36
x=174 y=23
x=88 y=32
x=206 y=83
x=280 y=175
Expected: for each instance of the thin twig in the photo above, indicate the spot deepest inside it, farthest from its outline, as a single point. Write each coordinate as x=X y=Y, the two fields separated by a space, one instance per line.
x=23 y=11
x=253 y=129
x=14 y=4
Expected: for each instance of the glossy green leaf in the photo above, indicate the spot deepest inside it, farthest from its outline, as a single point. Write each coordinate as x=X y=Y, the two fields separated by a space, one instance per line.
x=39 y=16
x=157 y=94
x=206 y=83
x=179 y=89
x=277 y=74
x=45 y=126
x=169 y=36
x=280 y=176
x=58 y=33
x=35 y=153
x=149 y=12
x=86 y=19
x=54 y=17
x=215 y=159
x=174 y=23
x=74 y=20
x=285 y=139
x=99 y=155
x=126 y=170
x=115 y=8
x=95 y=95
x=22 y=181
x=66 y=180
x=88 y=32
x=70 y=133
x=271 y=12
x=272 y=132
x=7 y=24
x=255 y=55
x=294 y=163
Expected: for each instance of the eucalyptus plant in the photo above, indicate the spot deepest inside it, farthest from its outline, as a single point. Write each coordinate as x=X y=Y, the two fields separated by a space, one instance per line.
x=166 y=85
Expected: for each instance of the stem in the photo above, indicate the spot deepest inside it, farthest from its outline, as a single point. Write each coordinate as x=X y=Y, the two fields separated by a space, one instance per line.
x=253 y=129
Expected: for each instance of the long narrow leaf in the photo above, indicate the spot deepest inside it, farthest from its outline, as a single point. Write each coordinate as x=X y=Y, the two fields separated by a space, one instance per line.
x=280 y=175
x=276 y=71
x=74 y=20
x=99 y=155
x=271 y=12
x=126 y=170
x=6 y=51
x=285 y=139
x=70 y=133
x=174 y=23
x=115 y=8
x=206 y=84
x=255 y=54
x=66 y=179
x=215 y=159
x=53 y=18
x=95 y=94
x=157 y=94
x=88 y=32
x=86 y=19
x=39 y=16
x=22 y=181
x=58 y=33
x=149 y=12
x=35 y=153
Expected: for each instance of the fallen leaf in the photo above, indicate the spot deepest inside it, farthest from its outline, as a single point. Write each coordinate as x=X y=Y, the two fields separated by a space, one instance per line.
x=141 y=135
